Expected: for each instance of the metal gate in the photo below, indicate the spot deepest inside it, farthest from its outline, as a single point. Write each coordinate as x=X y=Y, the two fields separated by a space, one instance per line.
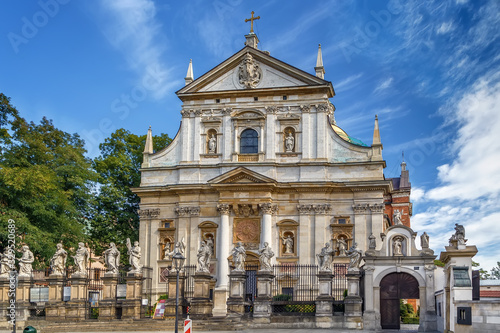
x=94 y=292
x=250 y=286
x=393 y=287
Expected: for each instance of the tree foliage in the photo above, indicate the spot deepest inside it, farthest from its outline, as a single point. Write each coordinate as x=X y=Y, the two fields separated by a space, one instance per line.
x=45 y=183
x=115 y=211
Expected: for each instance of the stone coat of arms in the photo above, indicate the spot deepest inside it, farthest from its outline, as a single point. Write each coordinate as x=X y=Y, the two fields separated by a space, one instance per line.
x=249 y=72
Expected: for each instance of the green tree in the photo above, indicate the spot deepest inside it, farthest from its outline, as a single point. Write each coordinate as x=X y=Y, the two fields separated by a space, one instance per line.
x=115 y=217
x=483 y=274
x=495 y=272
x=45 y=183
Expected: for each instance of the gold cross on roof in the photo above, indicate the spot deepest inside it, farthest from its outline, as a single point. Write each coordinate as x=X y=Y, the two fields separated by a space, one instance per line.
x=251 y=21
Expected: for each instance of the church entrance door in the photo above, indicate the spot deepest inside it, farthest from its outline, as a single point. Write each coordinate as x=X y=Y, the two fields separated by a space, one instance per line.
x=394 y=287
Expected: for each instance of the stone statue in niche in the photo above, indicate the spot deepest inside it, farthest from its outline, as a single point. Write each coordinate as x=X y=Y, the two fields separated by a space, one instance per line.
x=288 y=242
x=341 y=246
x=81 y=259
x=204 y=255
x=354 y=257
x=134 y=259
x=58 y=261
x=249 y=72
x=25 y=268
x=424 y=241
x=289 y=142
x=265 y=255
x=397 y=246
x=209 y=239
x=239 y=256
x=325 y=258
x=212 y=144
x=397 y=217
x=112 y=259
x=166 y=250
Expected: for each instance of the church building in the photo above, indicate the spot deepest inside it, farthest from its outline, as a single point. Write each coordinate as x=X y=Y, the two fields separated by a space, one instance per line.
x=259 y=158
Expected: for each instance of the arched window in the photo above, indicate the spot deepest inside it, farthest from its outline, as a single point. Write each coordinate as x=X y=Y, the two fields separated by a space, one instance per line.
x=249 y=142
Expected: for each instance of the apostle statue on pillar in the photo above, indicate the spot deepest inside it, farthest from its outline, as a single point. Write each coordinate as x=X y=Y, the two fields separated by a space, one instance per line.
x=134 y=258
x=354 y=257
x=58 y=261
x=325 y=258
x=239 y=256
x=204 y=255
x=81 y=259
x=25 y=268
x=265 y=255
x=424 y=240
x=5 y=263
x=112 y=259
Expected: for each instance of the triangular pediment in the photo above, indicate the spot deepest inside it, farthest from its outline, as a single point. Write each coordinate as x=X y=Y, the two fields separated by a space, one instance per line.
x=241 y=175
x=251 y=69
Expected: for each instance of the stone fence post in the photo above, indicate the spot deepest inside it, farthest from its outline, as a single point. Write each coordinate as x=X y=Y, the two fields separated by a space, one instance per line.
x=75 y=308
x=107 y=307
x=236 y=300
x=262 y=304
x=324 y=301
x=201 y=305
x=353 y=302
x=55 y=308
x=132 y=304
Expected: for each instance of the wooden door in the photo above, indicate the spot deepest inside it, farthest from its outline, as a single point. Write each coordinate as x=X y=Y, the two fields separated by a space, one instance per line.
x=393 y=287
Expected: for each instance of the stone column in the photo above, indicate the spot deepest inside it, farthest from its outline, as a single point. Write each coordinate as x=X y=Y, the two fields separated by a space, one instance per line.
x=107 y=307
x=131 y=306
x=324 y=301
x=223 y=239
x=75 y=308
x=55 y=308
x=262 y=304
x=353 y=302
x=23 y=298
x=172 y=289
x=266 y=223
x=201 y=305
x=236 y=300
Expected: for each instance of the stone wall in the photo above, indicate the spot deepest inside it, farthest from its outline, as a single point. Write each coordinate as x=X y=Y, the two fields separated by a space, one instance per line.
x=485 y=317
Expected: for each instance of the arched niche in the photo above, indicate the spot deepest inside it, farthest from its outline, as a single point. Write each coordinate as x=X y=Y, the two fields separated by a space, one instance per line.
x=288 y=238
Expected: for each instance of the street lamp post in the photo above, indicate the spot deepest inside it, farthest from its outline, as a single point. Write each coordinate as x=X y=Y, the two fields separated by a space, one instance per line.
x=178 y=262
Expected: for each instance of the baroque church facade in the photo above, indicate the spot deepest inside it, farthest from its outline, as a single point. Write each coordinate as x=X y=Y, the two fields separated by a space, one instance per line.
x=259 y=158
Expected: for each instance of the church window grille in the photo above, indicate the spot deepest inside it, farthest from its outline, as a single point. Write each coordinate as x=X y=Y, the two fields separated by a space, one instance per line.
x=255 y=99
x=249 y=142
x=285 y=98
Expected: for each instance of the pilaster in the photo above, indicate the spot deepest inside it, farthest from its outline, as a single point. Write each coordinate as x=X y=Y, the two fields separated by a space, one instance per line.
x=361 y=231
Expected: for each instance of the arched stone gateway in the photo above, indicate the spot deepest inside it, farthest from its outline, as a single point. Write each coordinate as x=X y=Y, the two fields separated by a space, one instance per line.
x=398 y=270
x=393 y=288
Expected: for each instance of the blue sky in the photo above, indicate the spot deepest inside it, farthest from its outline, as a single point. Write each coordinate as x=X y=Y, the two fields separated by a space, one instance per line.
x=429 y=69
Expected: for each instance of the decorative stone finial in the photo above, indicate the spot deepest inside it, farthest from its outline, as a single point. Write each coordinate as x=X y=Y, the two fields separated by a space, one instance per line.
x=320 y=70
x=189 y=76
x=148 y=147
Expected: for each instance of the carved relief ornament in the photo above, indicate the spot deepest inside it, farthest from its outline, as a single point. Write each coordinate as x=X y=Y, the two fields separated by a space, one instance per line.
x=268 y=208
x=249 y=72
x=187 y=211
x=149 y=213
x=314 y=209
x=224 y=209
x=360 y=208
x=377 y=208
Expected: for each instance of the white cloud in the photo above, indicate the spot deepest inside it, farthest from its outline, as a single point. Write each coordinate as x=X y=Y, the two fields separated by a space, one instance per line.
x=348 y=82
x=132 y=28
x=444 y=28
x=417 y=194
x=383 y=85
x=469 y=189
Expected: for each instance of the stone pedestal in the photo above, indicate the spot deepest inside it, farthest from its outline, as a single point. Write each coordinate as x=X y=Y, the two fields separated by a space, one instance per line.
x=22 y=297
x=170 y=303
x=107 y=306
x=201 y=306
x=353 y=302
x=131 y=306
x=54 y=309
x=236 y=300
x=262 y=304
x=324 y=301
x=75 y=308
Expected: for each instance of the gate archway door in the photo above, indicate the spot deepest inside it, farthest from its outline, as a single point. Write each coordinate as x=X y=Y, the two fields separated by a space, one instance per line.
x=393 y=287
